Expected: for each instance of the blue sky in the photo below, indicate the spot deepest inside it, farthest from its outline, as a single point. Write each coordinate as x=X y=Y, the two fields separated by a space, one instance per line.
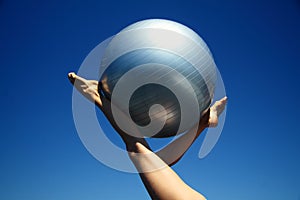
x=256 y=47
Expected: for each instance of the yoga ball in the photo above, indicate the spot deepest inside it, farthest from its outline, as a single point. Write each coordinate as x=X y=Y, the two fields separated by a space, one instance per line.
x=160 y=75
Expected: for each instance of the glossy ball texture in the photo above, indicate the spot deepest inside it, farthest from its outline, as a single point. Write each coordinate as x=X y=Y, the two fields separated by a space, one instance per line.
x=151 y=69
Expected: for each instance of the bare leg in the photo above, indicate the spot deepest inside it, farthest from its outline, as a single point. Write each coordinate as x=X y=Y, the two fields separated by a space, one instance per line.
x=172 y=153
x=163 y=183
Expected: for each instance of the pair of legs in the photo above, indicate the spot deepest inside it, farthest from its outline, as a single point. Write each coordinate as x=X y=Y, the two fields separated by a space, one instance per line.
x=154 y=169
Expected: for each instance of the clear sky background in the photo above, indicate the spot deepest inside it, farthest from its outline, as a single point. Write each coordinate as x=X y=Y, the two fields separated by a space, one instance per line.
x=256 y=46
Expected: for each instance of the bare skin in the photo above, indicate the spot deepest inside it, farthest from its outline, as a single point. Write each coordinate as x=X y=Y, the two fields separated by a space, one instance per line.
x=159 y=179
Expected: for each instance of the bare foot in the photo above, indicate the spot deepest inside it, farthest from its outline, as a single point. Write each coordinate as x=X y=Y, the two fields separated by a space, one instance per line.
x=88 y=88
x=215 y=111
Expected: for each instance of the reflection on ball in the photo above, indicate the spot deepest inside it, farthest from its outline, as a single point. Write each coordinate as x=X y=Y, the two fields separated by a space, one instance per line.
x=168 y=64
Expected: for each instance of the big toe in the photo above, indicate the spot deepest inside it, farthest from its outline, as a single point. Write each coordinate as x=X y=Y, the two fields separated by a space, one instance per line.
x=72 y=76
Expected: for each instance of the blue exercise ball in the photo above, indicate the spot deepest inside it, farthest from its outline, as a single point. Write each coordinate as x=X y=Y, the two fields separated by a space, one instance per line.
x=158 y=73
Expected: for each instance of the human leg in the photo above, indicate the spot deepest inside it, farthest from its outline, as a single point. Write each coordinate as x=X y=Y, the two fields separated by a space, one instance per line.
x=159 y=179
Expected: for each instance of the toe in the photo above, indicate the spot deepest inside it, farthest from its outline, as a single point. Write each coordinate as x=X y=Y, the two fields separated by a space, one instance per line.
x=224 y=99
x=71 y=77
x=75 y=78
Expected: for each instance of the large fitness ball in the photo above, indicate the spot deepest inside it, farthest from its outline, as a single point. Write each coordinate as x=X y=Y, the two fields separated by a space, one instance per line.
x=151 y=69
